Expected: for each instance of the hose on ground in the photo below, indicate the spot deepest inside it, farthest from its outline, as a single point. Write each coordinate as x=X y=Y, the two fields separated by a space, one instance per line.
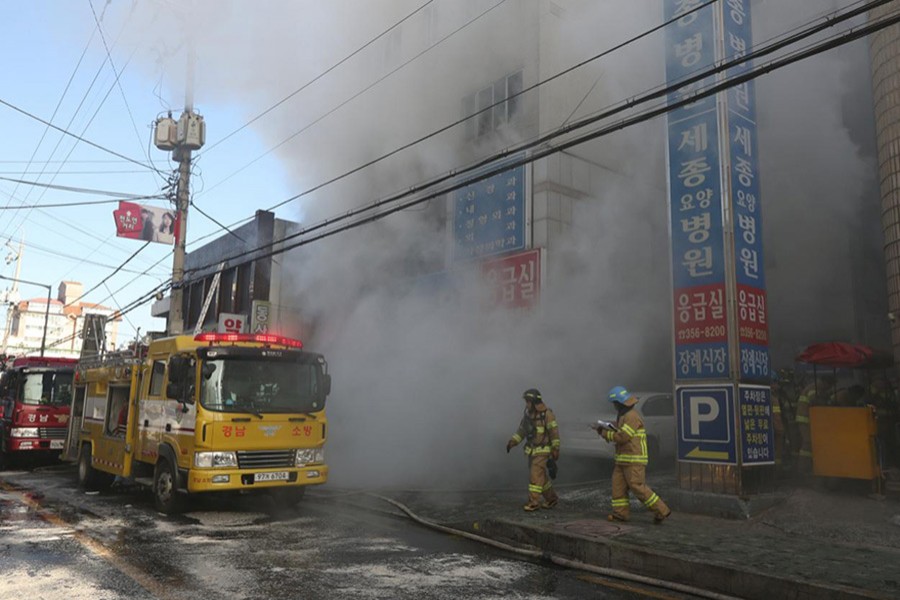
x=557 y=560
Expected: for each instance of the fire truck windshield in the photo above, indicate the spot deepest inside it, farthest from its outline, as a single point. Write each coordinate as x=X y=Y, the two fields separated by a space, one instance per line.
x=47 y=387
x=242 y=384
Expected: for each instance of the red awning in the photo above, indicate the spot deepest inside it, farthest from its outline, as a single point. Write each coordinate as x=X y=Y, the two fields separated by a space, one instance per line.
x=843 y=355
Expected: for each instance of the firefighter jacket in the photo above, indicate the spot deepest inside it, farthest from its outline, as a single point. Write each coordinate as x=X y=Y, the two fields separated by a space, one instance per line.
x=539 y=429
x=630 y=439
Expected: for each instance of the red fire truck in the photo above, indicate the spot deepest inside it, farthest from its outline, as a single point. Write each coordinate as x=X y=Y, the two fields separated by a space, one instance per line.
x=35 y=393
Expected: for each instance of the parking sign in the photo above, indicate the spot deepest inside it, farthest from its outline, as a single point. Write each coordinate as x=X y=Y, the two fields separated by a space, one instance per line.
x=705 y=421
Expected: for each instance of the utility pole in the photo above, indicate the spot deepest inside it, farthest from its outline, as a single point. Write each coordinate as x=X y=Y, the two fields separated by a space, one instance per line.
x=11 y=297
x=181 y=137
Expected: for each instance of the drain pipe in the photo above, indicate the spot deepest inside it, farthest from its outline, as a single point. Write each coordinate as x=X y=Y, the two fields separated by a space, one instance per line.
x=557 y=560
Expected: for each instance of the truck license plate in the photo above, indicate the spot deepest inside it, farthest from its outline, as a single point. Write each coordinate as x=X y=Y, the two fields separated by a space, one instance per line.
x=277 y=476
x=56 y=444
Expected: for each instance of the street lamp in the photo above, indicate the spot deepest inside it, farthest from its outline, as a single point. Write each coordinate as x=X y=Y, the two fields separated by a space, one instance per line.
x=46 y=312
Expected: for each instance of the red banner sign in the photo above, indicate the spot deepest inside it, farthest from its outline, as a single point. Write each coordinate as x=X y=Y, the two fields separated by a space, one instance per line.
x=515 y=280
x=150 y=223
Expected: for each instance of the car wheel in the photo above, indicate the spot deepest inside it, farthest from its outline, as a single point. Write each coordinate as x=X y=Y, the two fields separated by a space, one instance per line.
x=166 y=498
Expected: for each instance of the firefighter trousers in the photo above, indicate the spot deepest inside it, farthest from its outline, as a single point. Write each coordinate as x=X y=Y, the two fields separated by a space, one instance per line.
x=627 y=478
x=539 y=483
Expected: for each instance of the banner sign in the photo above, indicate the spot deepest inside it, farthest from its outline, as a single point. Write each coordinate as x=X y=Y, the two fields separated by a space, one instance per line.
x=695 y=192
x=260 y=316
x=232 y=323
x=489 y=216
x=149 y=223
x=753 y=340
x=515 y=280
x=757 y=433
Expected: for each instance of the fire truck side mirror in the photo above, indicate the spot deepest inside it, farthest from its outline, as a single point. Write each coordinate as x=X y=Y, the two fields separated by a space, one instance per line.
x=326 y=384
x=175 y=391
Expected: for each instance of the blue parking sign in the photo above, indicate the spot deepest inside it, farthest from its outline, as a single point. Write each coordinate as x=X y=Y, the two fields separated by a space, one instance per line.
x=706 y=424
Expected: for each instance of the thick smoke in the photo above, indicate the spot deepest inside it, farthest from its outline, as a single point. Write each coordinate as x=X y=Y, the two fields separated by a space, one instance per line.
x=427 y=377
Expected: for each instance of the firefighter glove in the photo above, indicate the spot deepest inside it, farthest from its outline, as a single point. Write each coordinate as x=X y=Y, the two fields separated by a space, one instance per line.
x=551 y=468
x=509 y=446
x=555 y=454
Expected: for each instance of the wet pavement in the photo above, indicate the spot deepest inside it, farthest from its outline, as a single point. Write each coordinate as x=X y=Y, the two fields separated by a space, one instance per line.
x=843 y=540
x=59 y=542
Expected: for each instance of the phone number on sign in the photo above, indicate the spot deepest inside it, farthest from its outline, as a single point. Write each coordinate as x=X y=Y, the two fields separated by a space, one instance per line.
x=690 y=334
x=754 y=333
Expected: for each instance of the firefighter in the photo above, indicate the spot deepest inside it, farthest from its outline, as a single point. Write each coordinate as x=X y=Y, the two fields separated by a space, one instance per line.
x=540 y=431
x=630 y=439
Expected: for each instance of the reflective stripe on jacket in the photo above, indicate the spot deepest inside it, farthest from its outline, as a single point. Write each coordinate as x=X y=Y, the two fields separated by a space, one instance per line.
x=630 y=440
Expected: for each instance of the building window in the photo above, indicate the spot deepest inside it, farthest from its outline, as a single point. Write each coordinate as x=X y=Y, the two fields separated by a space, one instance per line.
x=507 y=106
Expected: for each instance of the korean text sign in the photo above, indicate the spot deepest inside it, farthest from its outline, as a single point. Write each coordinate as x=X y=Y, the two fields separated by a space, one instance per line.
x=149 y=223
x=695 y=190
x=489 y=215
x=515 y=280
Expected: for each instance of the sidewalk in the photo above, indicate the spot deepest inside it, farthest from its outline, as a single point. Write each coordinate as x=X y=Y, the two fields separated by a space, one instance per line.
x=812 y=545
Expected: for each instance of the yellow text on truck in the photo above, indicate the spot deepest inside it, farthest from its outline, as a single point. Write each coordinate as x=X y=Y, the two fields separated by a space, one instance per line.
x=206 y=413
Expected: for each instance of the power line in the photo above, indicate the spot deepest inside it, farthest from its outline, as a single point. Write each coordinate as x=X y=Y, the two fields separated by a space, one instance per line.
x=68 y=256
x=320 y=76
x=107 y=278
x=72 y=135
x=664 y=91
x=355 y=96
x=80 y=190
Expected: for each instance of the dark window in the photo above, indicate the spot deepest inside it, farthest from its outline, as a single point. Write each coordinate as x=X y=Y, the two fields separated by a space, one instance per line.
x=500 y=106
x=485 y=99
x=513 y=87
x=157 y=377
x=658 y=406
x=242 y=299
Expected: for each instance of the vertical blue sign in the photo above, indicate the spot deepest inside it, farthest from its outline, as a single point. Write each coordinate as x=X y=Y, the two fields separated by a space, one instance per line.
x=757 y=432
x=744 y=191
x=695 y=201
x=489 y=216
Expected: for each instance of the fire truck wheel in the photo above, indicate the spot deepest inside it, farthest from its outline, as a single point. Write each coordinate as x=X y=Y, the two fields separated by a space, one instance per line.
x=90 y=478
x=165 y=490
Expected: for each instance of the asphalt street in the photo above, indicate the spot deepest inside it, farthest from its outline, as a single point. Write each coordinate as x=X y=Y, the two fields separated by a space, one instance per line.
x=59 y=542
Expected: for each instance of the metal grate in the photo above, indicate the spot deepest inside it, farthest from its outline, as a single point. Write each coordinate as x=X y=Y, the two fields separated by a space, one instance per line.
x=52 y=433
x=266 y=459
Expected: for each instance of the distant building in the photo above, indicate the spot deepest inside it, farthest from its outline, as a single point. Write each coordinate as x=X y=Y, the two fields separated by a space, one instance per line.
x=25 y=324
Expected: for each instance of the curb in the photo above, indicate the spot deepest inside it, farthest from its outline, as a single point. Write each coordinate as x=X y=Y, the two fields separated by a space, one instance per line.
x=741 y=583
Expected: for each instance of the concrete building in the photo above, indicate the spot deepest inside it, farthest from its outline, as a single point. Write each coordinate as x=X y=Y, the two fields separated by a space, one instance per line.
x=25 y=325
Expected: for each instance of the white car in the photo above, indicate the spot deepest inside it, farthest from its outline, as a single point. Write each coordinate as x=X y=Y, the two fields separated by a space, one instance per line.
x=658 y=412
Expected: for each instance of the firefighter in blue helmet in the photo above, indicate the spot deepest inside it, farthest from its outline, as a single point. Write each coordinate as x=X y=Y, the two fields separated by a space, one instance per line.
x=630 y=439
x=540 y=431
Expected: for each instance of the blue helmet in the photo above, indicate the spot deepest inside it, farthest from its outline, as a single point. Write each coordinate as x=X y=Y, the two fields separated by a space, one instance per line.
x=619 y=394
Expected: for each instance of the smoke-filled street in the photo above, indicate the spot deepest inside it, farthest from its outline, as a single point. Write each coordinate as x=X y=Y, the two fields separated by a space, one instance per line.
x=58 y=541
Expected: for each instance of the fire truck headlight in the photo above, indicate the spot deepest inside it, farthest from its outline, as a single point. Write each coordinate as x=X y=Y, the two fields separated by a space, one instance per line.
x=309 y=456
x=213 y=460
x=23 y=432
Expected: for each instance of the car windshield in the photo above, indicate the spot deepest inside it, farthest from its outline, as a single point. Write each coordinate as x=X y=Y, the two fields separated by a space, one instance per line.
x=239 y=384
x=47 y=387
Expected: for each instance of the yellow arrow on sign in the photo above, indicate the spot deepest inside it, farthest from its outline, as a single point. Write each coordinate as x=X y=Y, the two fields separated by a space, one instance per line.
x=698 y=453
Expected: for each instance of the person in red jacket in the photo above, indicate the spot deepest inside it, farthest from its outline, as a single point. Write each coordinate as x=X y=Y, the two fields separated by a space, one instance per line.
x=630 y=439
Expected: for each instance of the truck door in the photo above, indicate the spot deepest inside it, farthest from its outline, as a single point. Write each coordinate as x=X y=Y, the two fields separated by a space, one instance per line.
x=75 y=425
x=151 y=401
x=113 y=450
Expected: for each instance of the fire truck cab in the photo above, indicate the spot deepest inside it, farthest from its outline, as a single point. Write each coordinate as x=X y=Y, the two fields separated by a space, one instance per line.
x=205 y=413
x=35 y=393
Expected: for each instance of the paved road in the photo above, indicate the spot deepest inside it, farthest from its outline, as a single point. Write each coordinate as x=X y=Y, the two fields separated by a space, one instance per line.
x=58 y=542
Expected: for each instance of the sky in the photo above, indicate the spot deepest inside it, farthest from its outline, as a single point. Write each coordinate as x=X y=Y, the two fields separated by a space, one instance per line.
x=39 y=58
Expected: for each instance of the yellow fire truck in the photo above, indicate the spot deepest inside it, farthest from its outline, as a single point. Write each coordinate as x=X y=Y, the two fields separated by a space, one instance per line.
x=206 y=413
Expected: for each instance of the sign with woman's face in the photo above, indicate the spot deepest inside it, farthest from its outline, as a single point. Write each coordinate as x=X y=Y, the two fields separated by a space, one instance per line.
x=149 y=223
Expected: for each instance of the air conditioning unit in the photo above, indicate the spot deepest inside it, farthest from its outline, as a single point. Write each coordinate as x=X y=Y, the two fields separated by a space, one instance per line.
x=191 y=134
x=164 y=133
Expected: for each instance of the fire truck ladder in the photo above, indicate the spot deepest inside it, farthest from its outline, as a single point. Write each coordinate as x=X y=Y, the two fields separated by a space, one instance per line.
x=213 y=288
